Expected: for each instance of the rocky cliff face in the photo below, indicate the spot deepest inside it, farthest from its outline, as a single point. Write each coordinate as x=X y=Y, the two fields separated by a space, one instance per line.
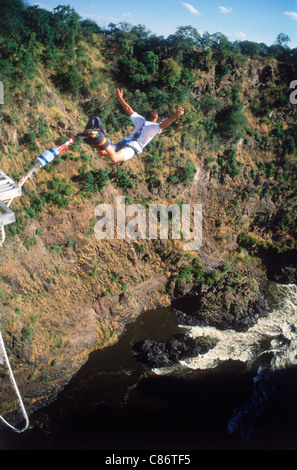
x=64 y=293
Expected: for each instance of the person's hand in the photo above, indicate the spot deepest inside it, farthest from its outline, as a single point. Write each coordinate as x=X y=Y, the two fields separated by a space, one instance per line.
x=119 y=93
x=180 y=111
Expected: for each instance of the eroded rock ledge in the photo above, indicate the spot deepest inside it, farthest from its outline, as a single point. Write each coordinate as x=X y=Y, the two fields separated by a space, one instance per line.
x=158 y=354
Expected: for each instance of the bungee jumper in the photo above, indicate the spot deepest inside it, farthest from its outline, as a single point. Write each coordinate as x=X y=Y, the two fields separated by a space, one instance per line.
x=145 y=129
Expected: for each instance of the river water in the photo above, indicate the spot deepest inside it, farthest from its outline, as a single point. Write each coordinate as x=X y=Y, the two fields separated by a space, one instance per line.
x=239 y=395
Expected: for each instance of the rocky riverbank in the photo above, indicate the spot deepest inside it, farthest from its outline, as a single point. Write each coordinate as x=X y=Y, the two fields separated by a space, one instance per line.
x=225 y=305
x=237 y=308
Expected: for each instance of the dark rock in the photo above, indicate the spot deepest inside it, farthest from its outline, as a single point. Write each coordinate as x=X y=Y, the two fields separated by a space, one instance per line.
x=234 y=318
x=282 y=268
x=223 y=307
x=158 y=354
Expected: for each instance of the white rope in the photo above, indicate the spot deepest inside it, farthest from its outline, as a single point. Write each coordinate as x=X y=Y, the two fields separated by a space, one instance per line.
x=2 y=235
x=29 y=174
x=16 y=390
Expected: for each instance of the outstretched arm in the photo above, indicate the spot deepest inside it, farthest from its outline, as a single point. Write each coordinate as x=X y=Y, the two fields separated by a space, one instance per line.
x=125 y=105
x=175 y=116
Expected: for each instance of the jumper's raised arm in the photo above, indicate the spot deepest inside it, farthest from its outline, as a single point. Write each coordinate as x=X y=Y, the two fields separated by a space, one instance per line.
x=125 y=105
x=180 y=111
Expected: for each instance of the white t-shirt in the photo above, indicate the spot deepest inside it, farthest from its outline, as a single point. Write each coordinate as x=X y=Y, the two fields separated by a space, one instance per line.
x=148 y=129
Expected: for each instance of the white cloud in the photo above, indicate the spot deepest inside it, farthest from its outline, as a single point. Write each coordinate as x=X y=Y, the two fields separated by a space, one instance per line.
x=43 y=6
x=241 y=35
x=99 y=18
x=291 y=14
x=191 y=9
x=225 y=10
x=128 y=14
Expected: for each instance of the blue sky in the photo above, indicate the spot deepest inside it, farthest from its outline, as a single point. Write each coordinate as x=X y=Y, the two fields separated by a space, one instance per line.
x=253 y=20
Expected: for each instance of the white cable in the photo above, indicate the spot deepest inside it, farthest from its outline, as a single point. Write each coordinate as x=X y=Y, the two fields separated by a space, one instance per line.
x=3 y=235
x=16 y=390
x=29 y=174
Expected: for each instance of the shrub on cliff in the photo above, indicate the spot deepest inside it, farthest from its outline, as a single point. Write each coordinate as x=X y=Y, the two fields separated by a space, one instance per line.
x=232 y=123
x=184 y=174
x=69 y=80
x=92 y=182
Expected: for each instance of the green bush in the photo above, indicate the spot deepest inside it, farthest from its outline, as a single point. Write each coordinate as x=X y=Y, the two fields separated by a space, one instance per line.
x=184 y=174
x=153 y=165
x=229 y=164
x=246 y=241
x=26 y=333
x=125 y=178
x=69 y=81
x=92 y=182
x=232 y=123
x=58 y=192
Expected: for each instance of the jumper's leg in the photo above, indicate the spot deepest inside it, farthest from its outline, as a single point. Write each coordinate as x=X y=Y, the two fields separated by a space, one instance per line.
x=102 y=144
x=116 y=157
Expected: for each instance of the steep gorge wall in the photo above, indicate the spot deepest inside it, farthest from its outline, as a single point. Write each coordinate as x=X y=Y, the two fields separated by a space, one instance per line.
x=64 y=293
